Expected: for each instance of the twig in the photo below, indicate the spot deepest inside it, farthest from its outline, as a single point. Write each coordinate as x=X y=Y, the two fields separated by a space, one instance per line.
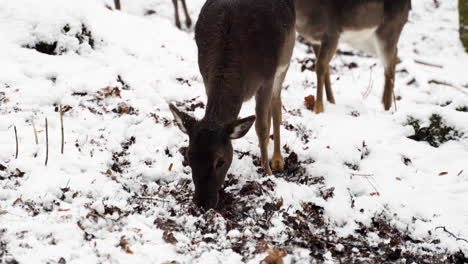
x=47 y=141
x=362 y=175
x=35 y=132
x=61 y=126
x=429 y=64
x=150 y=199
x=451 y=234
x=448 y=84
x=16 y=137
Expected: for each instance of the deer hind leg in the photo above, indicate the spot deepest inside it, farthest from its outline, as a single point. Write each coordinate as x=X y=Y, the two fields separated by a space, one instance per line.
x=262 y=124
x=188 y=21
x=387 y=41
x=328 y=88
x=327 y=50
x=176 y=13
x=277 y=161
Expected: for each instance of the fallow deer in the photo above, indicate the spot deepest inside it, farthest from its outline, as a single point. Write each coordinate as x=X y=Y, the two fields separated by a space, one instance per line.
x=188 y=21
x=244 y=49
x=371 y=25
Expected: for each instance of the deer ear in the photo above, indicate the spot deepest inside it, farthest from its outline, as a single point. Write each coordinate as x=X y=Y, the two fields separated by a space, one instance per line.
x=239 y=128
x=184 y=121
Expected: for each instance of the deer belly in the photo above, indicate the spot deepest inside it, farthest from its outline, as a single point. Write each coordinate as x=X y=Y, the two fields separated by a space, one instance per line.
x=364 y=39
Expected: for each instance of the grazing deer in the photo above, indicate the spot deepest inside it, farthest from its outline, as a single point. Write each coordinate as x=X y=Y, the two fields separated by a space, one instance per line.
x=244 y=49
x=188 y=21
x=371 y=25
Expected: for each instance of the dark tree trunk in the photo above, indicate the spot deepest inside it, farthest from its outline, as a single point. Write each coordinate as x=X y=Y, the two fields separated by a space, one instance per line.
x=463 y=8
x=117 y=4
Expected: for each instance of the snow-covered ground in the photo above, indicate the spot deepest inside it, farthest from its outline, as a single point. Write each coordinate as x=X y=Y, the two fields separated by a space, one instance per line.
x=120 y=193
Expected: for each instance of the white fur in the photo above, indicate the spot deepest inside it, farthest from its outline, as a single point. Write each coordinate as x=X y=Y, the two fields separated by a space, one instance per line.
x=277 y=82
x=362 y=39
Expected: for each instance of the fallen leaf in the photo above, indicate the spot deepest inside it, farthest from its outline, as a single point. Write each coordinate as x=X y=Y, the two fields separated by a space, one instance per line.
x=170 y=167
x=309 y=102
x=169 y=237
x=275 y=256
x=109 y=172
x=124 y=245
x=443 y=173
x=398 y=178
x=374 y=194
x=63 y=210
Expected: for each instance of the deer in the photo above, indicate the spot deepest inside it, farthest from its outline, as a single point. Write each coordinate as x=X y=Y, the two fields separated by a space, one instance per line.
x=373 y=26
x=244 y=50
x=188 y=21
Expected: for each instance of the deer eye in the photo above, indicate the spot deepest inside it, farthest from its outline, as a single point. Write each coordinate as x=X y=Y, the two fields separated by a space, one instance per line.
x=219 y=163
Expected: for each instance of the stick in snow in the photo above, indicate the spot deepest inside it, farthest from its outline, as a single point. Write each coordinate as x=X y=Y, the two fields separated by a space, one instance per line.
x=47 y=141
x=61 y=126
x=35 y=132
x=16 y=137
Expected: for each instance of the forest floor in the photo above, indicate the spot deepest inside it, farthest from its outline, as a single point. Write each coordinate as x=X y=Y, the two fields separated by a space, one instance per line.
x=361 y=185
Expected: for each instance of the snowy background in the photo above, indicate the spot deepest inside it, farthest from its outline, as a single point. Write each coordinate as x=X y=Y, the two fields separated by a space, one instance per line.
x=361 y=184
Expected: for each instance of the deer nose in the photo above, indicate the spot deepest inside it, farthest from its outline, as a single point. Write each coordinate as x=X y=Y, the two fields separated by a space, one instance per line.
x=207 y=202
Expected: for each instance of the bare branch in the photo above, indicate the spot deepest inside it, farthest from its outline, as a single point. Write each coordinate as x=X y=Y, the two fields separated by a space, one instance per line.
x=451 y=234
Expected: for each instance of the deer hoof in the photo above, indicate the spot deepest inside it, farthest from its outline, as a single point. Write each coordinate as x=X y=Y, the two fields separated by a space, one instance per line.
x=267 y=170
x=188 y=23
x=277 y=163
x=318 y=107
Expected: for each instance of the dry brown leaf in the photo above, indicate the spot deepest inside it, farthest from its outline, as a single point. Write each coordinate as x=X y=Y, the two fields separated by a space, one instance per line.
x=170 y=167
x=108 y=172
x=398 y=178
x=63 y=210
x=275 y=256
x=169 y=237
x=124 y=245
x=443 y=173
x=309 y=102
x=374 y=194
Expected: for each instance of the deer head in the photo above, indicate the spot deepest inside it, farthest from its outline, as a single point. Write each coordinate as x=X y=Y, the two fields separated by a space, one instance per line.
x=210 y=152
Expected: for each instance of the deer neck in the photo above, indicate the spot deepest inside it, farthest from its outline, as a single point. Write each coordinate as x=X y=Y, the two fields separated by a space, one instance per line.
x=223 y=104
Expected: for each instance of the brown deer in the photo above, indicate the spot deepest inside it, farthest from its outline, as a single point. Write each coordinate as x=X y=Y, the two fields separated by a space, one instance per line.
x=244 y=50
x=188 y=21
x=371 y=25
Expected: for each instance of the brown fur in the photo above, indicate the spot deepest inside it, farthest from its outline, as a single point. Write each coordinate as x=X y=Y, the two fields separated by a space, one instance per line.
x=324 y=21
x=244 y=49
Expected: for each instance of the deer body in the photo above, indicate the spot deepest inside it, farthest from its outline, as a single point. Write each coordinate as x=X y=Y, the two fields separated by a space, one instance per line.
x=373 y=26
x=244 y=49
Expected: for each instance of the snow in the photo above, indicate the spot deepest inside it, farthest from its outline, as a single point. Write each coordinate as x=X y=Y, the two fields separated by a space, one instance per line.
x=40 y=212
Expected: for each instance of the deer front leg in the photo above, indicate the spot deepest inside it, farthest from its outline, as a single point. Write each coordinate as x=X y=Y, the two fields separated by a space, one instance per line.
x=327 y=50
x=176 y=13
x=328 y=88
x=277 y=161
x=387 y=97
x=262 y=127
x=188 y=21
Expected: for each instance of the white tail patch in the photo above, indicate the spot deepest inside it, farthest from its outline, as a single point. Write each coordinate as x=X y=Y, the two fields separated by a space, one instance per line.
x=361 y=39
